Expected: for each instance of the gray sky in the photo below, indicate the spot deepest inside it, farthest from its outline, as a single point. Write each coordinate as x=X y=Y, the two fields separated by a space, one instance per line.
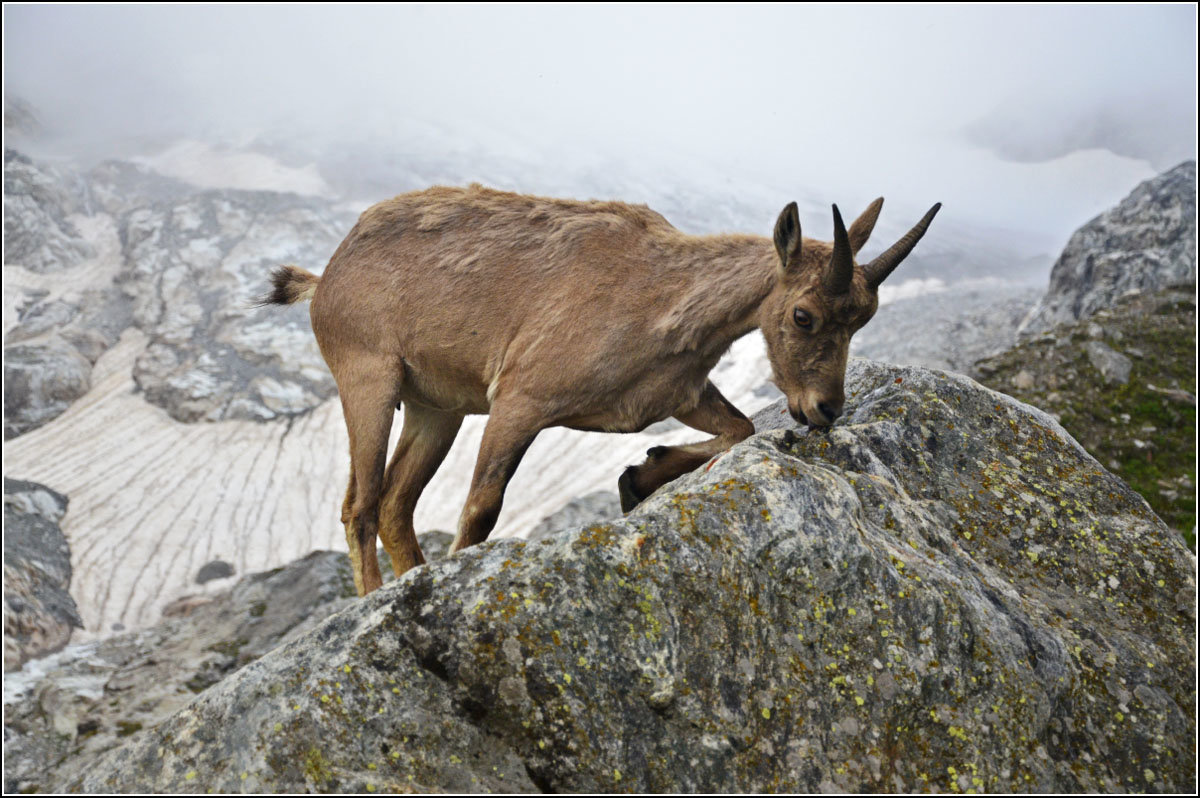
x=1022 y=116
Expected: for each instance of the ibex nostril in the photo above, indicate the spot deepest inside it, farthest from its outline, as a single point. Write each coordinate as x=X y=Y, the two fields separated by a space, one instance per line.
x=831 y=412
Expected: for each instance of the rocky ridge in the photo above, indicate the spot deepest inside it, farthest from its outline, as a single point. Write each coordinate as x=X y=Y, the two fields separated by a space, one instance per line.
x=944 y=591
x=1144 y=244
x=127 y=247
x=39 y=613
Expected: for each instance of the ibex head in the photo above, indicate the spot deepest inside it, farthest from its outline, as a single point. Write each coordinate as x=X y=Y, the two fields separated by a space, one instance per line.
x=821 y=298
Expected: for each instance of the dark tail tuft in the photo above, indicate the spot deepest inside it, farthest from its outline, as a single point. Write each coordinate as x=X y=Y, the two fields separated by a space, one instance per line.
x=289 y=284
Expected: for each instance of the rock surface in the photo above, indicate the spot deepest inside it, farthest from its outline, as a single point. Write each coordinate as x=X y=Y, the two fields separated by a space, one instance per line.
x=944 y=592
x=1113 y=367
x=601 y=505
x=65 y=710
x=39 y=203
x=40 y=382
x=39 y=613
x=1144 y=244
x=1123 y=383
x=50 y=352
x=194 y=267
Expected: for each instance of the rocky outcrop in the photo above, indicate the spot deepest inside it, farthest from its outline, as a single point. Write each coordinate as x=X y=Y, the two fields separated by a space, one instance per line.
x=65 y=710
x=51 y=341
x=193 y=268
x=39 y=201
x=943 y=591
x=39 y=612
x=50 y=352
x=40 y=382
x=185 y=266
x=1144 y=244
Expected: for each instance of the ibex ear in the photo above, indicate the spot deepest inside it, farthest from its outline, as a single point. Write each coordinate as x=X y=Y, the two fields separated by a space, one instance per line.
x=787 y=236
x=860 y=231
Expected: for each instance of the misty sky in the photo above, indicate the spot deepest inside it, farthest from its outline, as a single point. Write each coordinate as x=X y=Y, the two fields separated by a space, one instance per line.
x=1026 y=117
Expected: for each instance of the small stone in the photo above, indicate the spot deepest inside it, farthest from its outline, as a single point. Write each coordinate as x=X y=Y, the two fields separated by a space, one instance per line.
x=217 y=569
x=1023 y=380
x=1114 y=367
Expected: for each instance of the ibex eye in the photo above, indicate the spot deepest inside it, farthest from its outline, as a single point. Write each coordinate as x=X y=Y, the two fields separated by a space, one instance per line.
x=801 y=318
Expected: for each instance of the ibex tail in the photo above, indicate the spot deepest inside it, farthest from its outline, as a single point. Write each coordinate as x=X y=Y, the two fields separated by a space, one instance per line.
x=290 y=284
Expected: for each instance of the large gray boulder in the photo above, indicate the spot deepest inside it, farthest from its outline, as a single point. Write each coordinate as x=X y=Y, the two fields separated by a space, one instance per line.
x=1146 y=243
x=39 y=613
x=943 y=591
x=41 y=380
x=63 y=711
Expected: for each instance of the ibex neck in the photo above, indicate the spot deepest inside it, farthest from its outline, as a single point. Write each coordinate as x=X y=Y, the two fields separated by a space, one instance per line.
x=721 y=281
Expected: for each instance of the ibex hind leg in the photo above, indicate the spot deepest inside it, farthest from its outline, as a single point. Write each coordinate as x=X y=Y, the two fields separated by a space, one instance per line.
x=426 y=438
x=510 y=430
x=715 y=415
x=368 y=394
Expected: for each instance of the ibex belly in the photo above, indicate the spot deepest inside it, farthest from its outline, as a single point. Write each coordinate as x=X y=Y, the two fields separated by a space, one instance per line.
x=435 y=385
x=636 y=402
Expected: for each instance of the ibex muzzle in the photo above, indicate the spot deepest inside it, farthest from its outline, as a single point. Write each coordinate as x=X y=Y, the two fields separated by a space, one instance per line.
x=541 y=312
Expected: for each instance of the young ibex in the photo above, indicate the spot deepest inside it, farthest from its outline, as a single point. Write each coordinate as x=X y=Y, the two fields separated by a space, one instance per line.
x=542 y=312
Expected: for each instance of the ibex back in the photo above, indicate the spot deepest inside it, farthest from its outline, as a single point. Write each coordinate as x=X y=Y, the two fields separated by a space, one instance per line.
x=542 y=312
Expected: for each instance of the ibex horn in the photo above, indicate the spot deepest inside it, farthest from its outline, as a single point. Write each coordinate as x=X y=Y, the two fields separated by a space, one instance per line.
x=841 y=263
x=878 y=269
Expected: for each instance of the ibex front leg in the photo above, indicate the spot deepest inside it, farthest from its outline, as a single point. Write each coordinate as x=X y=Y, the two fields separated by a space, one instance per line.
x=715 y=415
x=510 y=430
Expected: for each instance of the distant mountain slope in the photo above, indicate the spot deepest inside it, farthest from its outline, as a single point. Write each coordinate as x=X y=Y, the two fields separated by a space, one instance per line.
x=948 y=328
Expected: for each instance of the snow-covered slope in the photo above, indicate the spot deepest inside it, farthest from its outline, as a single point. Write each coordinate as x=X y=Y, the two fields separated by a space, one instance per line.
x=154 y=499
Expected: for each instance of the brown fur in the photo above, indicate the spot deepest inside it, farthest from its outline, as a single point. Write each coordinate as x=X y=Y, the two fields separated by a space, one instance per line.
x=543 y=312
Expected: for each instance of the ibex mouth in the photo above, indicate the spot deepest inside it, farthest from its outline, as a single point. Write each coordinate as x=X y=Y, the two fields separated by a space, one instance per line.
x=803 y=421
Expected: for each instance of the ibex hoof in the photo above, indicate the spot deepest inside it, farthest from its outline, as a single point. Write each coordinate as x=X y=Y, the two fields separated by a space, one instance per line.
x=629 y=496
x=655 y=452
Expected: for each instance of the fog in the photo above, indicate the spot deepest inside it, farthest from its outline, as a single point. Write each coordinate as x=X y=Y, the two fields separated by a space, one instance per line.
x=1027 y=118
